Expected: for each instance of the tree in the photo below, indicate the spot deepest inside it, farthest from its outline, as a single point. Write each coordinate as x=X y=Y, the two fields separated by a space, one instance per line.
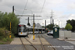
x=68 y=26
x=50 y=26
x=56 y=25
x=6 y=18
x=72 y=22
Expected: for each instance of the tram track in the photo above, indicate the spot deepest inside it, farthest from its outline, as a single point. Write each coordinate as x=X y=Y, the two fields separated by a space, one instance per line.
x=25 y=48
x=41 y=43
x=23 y=44
x=31 y=44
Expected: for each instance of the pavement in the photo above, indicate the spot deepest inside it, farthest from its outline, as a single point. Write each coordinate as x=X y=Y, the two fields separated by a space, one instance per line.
x=58 y=44
x=70 y=40
x=16 y=41
x=73 y=37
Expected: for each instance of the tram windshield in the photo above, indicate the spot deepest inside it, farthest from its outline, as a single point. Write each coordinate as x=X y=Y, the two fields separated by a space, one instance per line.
x=21 y=28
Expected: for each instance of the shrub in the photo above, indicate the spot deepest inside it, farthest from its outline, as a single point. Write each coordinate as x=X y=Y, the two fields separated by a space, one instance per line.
x=1 y=37
x=12 y=35
x=4 y=32
x=4 y=39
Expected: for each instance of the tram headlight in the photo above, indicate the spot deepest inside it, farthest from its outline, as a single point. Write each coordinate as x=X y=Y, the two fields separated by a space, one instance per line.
x=21 y=32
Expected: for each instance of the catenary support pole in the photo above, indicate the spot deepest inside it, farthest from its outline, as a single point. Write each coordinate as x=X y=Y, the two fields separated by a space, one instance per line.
x=33 y=28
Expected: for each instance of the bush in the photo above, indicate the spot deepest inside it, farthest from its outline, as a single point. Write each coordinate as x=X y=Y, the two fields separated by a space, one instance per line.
x=4 y=35
x=4 y=32
x=1 y=37
x=8 y=39
x=4 y=39
x=12 y=36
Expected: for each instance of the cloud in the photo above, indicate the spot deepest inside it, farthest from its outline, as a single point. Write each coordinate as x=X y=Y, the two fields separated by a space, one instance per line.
x=71 y=16
x=71 y=6
x=0 y=0
x=61 y=9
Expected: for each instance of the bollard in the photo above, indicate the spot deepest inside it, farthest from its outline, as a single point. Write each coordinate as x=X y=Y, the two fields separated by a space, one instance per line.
x=10 y=35
x=33 y=37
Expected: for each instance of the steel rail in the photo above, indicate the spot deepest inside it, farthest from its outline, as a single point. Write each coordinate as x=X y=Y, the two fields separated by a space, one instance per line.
x=31 y=44
x=23 y=45
x=41 y=43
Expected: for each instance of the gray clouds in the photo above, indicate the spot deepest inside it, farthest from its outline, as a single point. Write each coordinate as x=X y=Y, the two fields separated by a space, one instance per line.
x=59 y=8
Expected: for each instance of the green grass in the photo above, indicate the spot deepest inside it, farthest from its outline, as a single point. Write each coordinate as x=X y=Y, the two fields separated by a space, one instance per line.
x=2 y=43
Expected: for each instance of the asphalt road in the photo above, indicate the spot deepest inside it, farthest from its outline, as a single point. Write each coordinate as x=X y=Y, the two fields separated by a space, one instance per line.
x=59 y=45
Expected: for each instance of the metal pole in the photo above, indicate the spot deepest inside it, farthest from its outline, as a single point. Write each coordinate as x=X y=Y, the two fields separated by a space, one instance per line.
x=13 y=9
x=10 y=30
x=45 y=26
x=28 y=19
x=33 y=28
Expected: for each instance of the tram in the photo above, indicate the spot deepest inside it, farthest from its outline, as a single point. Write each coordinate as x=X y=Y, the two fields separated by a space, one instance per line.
x=24 y=30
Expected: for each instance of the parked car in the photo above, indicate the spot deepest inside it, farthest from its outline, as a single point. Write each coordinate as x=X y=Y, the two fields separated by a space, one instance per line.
x=50 y=33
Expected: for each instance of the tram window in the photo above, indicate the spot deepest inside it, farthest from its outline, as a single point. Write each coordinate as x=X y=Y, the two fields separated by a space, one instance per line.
x=36 y=30
x=43 y=29
x=21 y=29
x=31 y=29
x=39 y=29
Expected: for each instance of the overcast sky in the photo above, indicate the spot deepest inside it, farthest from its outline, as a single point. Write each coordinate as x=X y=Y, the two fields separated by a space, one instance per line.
x=62 y=10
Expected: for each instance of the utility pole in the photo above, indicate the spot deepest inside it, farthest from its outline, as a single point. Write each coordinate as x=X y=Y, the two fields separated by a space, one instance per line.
x=45 y=26
x=33 y=28
x=13 y=9
x=28 y=19
x=28 y=22
x=51 y=18
x=10 y=21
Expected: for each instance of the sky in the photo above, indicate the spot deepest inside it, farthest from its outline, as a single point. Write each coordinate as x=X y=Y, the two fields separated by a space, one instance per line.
x=63 y=10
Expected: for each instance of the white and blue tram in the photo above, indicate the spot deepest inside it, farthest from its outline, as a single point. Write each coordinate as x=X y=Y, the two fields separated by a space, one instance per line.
x=24 y=30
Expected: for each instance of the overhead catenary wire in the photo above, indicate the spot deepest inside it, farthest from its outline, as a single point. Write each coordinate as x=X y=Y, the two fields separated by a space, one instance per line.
x=43 y=6
x=25 y=6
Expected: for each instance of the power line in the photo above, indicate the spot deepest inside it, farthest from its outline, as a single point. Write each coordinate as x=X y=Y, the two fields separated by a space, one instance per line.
x=25 y=6
x=43 y=5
